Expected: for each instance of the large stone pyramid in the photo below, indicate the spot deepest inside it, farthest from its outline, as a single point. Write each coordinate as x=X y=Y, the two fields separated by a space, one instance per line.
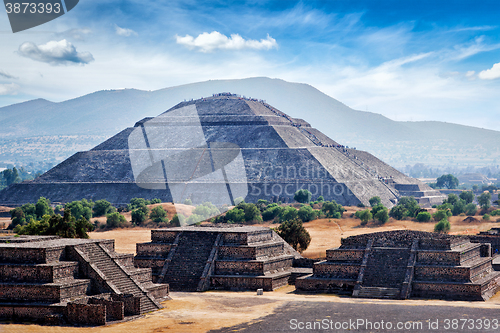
x=218 y=149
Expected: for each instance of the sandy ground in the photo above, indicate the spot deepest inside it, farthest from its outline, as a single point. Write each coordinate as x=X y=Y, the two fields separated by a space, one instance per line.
x=202 y=312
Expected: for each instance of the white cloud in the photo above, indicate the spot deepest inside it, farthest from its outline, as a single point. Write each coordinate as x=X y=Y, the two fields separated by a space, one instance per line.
x=491 y=74
x=9 y=89
x=207 y=42
x=124 y=31
x=78 y=34
x=55 y=53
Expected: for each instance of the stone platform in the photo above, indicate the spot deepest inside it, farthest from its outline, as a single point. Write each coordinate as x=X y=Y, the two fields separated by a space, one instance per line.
x=403 y=264
x=80 y=281
x=198 y=258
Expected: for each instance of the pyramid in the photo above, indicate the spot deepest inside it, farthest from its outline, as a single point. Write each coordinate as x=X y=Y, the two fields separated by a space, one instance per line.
x=218 y=149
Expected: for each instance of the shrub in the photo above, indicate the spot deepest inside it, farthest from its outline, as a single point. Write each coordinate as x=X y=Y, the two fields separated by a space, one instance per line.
x=331 y=208
x=486 y=217
x=188 y=202
x=306 y=214
x=374 y=201
x=320 y=199
x=467 y=196
x=271 y=212
x=382 y=215
x=155 y=201
x=361 y=205
x=496 y=212
x=471 y=209
x=102 y=207
x=235 y=215
x=294 y=233
x=484 y=200
x=82 y=208
x=158 y=214
x=178 y=220
x=115 y=220
x=140 y=215
x=440 y=215
x=302 y=196
x=364 y=216
x=42 y=208
x=424 y=217
x=288 y=214
x=442 y=226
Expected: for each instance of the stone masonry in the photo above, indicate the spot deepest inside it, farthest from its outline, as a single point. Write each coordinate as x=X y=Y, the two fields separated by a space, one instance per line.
x=402 y=264
x=199 y=258
x=80 y=281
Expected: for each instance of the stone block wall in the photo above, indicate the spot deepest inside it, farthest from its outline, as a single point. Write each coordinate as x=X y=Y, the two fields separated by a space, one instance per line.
x=86 y=314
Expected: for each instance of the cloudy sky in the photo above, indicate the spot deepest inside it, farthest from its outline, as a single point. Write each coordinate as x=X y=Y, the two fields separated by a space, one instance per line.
x=408 y=60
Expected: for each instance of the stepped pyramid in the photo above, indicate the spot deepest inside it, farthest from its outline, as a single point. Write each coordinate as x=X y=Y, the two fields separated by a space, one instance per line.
x=80 y=281
x=217 y=149
x=405 y=263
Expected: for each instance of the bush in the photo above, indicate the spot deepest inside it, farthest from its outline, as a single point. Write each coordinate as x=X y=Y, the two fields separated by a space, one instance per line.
x=332 y=209
x=374 y=201
x=364 y=216
x=235 y=215
x=471 y=209
x=42 y=208
x=442 y=226
x=424 y=217
x=382 y=215
x=178 y=220
x=320 y=199
x=155 y=201
x=459 y=207
x=294 y=233
x=306 y=214
x=115 y=220
x=467 y=196
x=486 y=217
x=102 y=207
x=63 y=226
x=441 y=214
x=252 y=213
x=79 y=209
x=188 y=202
x=496 y=212
x=271 y=212
x=484 y=200
x=302 y=196
x=140 y=215
x=361 y=205
x=158 y=214
x=288 y=214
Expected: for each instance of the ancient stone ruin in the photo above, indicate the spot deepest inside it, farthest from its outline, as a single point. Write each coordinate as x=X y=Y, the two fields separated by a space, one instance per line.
x=77 y=281
x=403 y=264
x=226 y=143
x=199 y=258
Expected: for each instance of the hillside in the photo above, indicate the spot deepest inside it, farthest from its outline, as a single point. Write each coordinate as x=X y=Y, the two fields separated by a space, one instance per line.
x=104 y=113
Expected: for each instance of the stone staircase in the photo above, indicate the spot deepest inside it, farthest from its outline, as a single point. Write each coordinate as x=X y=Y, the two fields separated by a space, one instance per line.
x=385 y=272
x=187 y=264
x=378 y=292
x=116 y=276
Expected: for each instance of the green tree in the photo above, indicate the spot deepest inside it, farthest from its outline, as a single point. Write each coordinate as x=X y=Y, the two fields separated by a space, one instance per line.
x=441 y=214
x=82 y=208
x=188 y=202
x=302 y=196
x=306 y=214
x=140 y=214
x=452 y=199
x=374 y=201
x=42 y=208
x=11 y=176
x=294 y=233
x=364 y=216
x=115 y=220
x=271 y=212
x=332 y=209
x=459 y=207
x=18 y=218
x=382 y=215
x=484 y=200
x=447 y=181
x=235 y=215
x=155 y=201
x=321 y=199
x=467 y=196
x=178 y=220
x=288 y=214
x=424 y=217
x=442 y=226
x=158 y=214
x=102 y=207
x=471 y=209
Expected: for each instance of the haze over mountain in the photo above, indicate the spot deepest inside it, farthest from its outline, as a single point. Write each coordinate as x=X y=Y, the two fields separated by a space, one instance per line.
x=87 y=120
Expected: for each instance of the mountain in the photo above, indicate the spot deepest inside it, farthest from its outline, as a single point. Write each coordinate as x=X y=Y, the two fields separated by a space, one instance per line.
x=103 y=113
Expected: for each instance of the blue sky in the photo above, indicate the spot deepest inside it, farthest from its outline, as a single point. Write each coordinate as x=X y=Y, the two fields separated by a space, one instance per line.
x=407 y=60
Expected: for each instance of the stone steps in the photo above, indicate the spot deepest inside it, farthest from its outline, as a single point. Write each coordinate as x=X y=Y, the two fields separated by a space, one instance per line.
x=116 y=275
x=378 y=292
